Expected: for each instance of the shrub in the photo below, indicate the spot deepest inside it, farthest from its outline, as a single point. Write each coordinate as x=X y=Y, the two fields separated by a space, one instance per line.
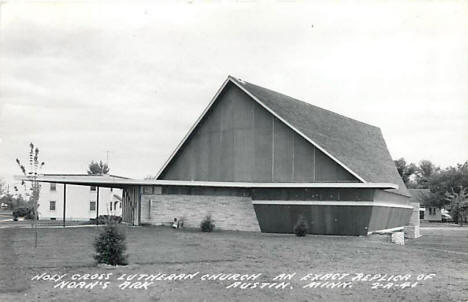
x=301 y=228
x=30 y=215
x=21 y=212
x=207 y=224
x=110 y=245
x=27 y=213
x=105 y=219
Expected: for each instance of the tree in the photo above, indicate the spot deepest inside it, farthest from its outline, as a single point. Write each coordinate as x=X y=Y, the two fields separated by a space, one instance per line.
x=424 y=171
x=13 y=201
x=406 y=171
x=459 y=203
x=451 y=178
x=110 y=245
x=2 y=187
x=448 y=189
x=31 y=174
x=97 y=168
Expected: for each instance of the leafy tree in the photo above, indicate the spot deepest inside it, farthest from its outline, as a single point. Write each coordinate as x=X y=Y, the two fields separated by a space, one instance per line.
x=448 y=189
x=424 y=171
x=13 y=201
x=406 y=171
x=97 y=168
x=449 y=179
x=459 y=203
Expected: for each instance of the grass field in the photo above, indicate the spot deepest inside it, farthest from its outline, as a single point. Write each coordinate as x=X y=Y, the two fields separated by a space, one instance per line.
x=442 y=252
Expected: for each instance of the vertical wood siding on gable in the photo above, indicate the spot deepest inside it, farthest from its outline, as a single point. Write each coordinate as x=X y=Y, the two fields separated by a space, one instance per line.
x=238 y=140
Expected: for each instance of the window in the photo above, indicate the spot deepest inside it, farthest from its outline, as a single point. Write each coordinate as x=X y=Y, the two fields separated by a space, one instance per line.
x=92 y=206
x=92 y=188
x=52 y=205
x=157 y=190
x=53 y=187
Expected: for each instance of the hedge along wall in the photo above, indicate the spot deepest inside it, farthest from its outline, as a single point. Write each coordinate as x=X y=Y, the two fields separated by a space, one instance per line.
x=229 y=212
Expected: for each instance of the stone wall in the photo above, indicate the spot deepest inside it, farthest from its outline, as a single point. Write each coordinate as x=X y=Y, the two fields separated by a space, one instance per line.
x=228 y=212
x=412 y=229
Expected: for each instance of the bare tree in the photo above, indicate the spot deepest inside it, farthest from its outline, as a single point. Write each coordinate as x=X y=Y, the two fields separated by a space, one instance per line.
x=2 y=187
x=31 y=174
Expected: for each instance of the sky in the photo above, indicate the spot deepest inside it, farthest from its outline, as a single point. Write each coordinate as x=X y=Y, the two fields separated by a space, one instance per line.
x=125 y=81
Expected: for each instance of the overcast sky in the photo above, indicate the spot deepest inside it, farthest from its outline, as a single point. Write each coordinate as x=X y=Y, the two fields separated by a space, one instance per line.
x=81 y=78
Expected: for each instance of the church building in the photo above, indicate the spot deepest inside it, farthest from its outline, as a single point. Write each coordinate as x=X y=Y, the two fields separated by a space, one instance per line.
x=258 y=160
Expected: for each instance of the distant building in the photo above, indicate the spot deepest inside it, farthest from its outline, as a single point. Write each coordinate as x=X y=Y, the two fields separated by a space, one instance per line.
x=426 y=212
x=81 y=201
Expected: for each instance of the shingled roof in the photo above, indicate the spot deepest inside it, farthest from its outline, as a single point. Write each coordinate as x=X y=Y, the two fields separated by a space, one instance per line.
x=358 y=146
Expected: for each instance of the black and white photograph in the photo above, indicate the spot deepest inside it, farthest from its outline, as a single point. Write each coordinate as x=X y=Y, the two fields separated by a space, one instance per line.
x=233 y=150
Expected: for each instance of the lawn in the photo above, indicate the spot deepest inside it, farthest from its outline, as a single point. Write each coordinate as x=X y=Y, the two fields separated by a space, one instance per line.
x=439 y=259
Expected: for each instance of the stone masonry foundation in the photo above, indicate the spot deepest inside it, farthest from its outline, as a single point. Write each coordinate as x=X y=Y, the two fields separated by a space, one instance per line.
x=228 y=212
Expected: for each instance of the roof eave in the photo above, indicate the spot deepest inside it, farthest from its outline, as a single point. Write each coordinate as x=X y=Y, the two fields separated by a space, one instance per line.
x=192 y=128
x=119 y=182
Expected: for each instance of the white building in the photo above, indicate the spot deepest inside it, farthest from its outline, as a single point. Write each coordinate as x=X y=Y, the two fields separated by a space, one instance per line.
x=81 y=202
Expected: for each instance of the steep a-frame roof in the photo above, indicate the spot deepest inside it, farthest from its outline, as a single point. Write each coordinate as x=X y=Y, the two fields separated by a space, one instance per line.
x=358 y=146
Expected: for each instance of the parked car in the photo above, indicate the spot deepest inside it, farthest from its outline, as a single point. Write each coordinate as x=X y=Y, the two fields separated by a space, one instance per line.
x=446 y=217
x=27 y=213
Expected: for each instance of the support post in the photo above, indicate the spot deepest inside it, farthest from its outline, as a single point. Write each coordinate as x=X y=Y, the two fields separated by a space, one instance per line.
x=140 y=191
x=97 y=205
x=64 y=202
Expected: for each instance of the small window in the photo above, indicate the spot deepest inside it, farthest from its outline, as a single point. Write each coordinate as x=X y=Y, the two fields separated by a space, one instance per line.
x=52 y=205
x=157 y=190
x=92 y=206
x=148 y=190
x=53 y=187
x=92 y=188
